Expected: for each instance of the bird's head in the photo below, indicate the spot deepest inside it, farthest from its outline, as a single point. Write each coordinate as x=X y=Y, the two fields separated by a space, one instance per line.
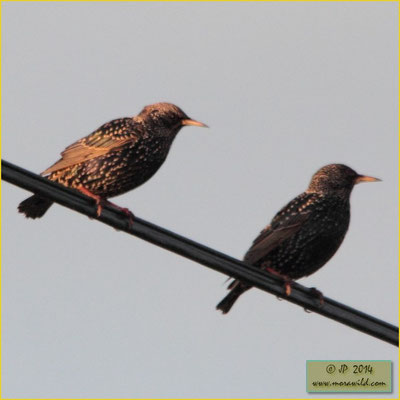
x=338 y=179
x=166 y=118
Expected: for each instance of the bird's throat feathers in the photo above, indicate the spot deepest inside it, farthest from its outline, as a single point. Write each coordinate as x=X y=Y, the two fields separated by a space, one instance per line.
x=148 y=127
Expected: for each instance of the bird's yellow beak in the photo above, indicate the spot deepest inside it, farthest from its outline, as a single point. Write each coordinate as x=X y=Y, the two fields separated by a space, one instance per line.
x=193 y=123
x=365 y=178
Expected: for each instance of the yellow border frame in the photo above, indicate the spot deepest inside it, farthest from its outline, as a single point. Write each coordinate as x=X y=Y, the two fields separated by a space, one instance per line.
x=227 y=1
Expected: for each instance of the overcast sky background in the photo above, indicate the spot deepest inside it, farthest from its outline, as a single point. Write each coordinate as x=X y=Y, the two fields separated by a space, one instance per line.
x=286 y=88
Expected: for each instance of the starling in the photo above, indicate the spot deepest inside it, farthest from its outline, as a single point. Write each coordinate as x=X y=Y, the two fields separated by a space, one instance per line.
x=119 y=156
x=305 y=233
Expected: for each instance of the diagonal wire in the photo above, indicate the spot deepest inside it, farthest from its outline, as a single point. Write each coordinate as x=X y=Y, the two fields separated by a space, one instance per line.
x=211 y=258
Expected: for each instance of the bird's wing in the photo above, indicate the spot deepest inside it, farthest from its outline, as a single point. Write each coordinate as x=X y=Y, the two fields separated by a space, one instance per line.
x=109 y=137
x=284 y=225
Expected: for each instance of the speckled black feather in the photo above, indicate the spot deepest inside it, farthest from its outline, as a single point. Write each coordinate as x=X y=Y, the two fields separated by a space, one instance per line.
x=305 y=233
x=119 y=156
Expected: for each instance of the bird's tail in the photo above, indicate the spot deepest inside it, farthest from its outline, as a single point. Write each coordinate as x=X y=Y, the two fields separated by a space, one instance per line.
x=34 y=206
x=237 y=289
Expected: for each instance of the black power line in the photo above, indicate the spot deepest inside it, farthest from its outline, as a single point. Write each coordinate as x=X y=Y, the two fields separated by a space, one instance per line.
x=204 y=255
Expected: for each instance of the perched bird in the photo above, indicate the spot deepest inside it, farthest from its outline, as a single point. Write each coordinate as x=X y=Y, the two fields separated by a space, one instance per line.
x=119 y=156
x=305 y=233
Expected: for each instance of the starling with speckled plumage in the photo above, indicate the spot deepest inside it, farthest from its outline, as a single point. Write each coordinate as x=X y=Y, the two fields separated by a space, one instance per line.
x=119 y=156
x=305 y=233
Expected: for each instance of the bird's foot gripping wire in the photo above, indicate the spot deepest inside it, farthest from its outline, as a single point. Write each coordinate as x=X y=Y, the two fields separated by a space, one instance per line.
x=287 y=281
x=100 y=203
x=314 y=292
x=317 y=293
x=126 y=211
x=99 y=200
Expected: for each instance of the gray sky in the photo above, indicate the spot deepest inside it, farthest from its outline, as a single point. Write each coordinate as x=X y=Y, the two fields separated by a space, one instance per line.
x=286 y=88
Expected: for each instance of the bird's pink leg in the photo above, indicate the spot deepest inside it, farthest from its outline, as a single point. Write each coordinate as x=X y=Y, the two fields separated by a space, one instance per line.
x=100 y=202
x=125 y=210
x=287 y=281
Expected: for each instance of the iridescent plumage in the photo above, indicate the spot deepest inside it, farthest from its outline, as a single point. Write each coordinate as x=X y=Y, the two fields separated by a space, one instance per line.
x=119 y=156
x=304 y=234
